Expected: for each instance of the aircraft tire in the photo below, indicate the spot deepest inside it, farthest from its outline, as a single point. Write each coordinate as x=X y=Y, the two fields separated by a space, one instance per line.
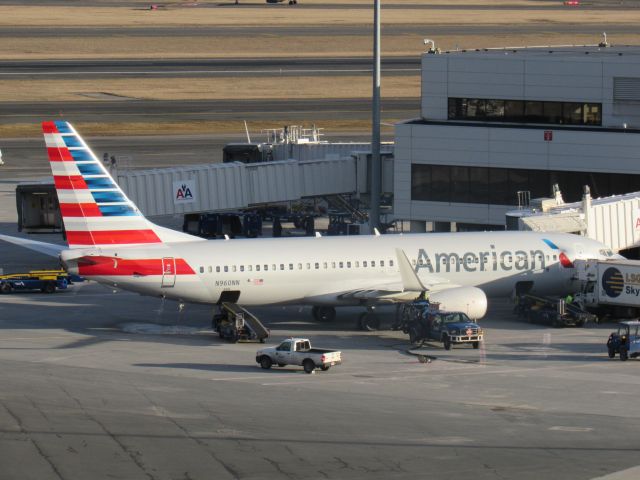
x=326 y=314
x=368 y=322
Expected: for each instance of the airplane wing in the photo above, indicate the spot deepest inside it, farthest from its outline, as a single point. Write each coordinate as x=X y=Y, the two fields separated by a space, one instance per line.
x=408 y=289
x=50 y=249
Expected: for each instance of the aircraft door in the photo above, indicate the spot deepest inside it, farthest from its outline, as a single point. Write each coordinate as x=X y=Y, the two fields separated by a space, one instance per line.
x=168 y=272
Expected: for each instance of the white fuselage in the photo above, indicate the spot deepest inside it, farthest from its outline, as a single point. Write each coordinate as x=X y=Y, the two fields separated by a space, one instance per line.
x=324 y=271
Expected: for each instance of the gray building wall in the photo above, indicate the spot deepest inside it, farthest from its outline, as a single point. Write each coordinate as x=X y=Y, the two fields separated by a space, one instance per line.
x=568 y=75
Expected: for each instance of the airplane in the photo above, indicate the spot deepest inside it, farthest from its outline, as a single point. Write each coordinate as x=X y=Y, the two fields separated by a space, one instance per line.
x=110 y=241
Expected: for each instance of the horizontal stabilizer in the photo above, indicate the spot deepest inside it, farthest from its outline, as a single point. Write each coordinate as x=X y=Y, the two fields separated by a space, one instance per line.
x=50 y=249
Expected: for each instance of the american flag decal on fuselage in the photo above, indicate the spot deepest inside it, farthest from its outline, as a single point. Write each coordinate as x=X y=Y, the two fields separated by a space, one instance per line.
x=94 y=209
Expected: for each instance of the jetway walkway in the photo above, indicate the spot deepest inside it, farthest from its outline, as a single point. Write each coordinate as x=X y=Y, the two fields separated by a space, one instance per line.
x=614 y=221
x=231 y=186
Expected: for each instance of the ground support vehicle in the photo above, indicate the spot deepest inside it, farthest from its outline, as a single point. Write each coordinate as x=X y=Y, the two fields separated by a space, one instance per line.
x=610 y=288
x=46 y=281
x=298 y=351
x=423 y=322
x=625 y=341
x=234 y=323
x=552 y=311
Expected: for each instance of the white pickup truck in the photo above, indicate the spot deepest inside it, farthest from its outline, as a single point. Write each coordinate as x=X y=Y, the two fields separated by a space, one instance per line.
x=298 y=351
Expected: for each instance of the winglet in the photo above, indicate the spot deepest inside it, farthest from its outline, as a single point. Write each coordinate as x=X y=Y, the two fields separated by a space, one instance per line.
x=318 y=235
x=376 y=232
x=410 y=281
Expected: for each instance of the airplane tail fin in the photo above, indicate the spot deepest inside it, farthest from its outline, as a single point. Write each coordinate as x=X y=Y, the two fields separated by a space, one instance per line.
x=94 y=209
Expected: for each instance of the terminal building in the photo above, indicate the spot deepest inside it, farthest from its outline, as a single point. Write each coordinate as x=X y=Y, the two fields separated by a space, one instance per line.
x=495 y=122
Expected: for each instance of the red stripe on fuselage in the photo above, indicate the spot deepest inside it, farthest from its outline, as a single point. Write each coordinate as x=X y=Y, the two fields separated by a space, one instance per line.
x=108 y=266
x=49 y=127
x=70 y=182
x=59 y=154
x=111 y=237
x=80 y=210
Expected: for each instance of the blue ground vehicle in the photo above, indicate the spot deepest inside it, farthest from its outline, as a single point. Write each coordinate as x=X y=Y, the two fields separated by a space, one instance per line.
x=625 y=341
x=46 y=281
x=422 y=323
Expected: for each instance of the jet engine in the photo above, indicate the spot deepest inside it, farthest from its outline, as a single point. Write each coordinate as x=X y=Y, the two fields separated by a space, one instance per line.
x=470 y=300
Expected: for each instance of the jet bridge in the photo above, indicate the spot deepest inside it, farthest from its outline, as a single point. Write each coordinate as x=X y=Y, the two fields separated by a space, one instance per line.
x=232 y=186
x=614 y=221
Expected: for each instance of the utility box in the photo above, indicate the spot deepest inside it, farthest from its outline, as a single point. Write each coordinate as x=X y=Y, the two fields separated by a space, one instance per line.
x=38 y=208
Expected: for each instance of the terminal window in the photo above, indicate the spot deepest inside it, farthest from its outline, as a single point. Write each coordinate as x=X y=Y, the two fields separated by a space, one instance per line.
x=499 y=186
x=525 y=111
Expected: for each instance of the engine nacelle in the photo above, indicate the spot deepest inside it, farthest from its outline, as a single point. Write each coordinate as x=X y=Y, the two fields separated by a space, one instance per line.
x=470 y=300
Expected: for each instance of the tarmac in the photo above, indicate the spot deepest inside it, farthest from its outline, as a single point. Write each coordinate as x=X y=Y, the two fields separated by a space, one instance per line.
x=100 y=383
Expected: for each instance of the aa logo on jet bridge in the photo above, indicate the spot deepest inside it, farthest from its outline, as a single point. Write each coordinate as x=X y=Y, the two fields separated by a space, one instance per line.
x=184 y=191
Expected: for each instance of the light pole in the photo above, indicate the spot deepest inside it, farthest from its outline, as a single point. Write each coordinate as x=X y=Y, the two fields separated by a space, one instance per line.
x=376 y=168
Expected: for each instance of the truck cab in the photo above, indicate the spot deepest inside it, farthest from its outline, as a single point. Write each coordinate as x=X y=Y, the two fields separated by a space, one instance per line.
x=625 y=341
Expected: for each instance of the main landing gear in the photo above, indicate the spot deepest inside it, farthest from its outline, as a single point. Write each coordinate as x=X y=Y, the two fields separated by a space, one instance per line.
x=369 y=320
x=323 y=314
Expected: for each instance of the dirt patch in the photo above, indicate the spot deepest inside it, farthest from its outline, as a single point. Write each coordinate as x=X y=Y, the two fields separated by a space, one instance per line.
x=205 y=88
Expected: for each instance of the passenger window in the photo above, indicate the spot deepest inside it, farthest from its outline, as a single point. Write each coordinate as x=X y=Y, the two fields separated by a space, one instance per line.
x=201 y=269
x=233 y=268
x=382 y=263
x=266 y=268
x=348 y=264
x=218 y=269
x=325 y=265
x=250 y=267
x=308 y=266
x=226 y=268
x=317 y=266
x=291 y=266
x=373 y=263
x=391 y=263
x=364 y=263
x=282 y=266
x=341 y=265
x=242 y=268
x=257 y=268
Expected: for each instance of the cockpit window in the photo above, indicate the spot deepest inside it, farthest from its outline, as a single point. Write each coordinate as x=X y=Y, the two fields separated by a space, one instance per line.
x=606 y=252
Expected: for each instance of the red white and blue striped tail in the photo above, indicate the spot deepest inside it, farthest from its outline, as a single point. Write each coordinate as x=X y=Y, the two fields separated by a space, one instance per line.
x=95 y=211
